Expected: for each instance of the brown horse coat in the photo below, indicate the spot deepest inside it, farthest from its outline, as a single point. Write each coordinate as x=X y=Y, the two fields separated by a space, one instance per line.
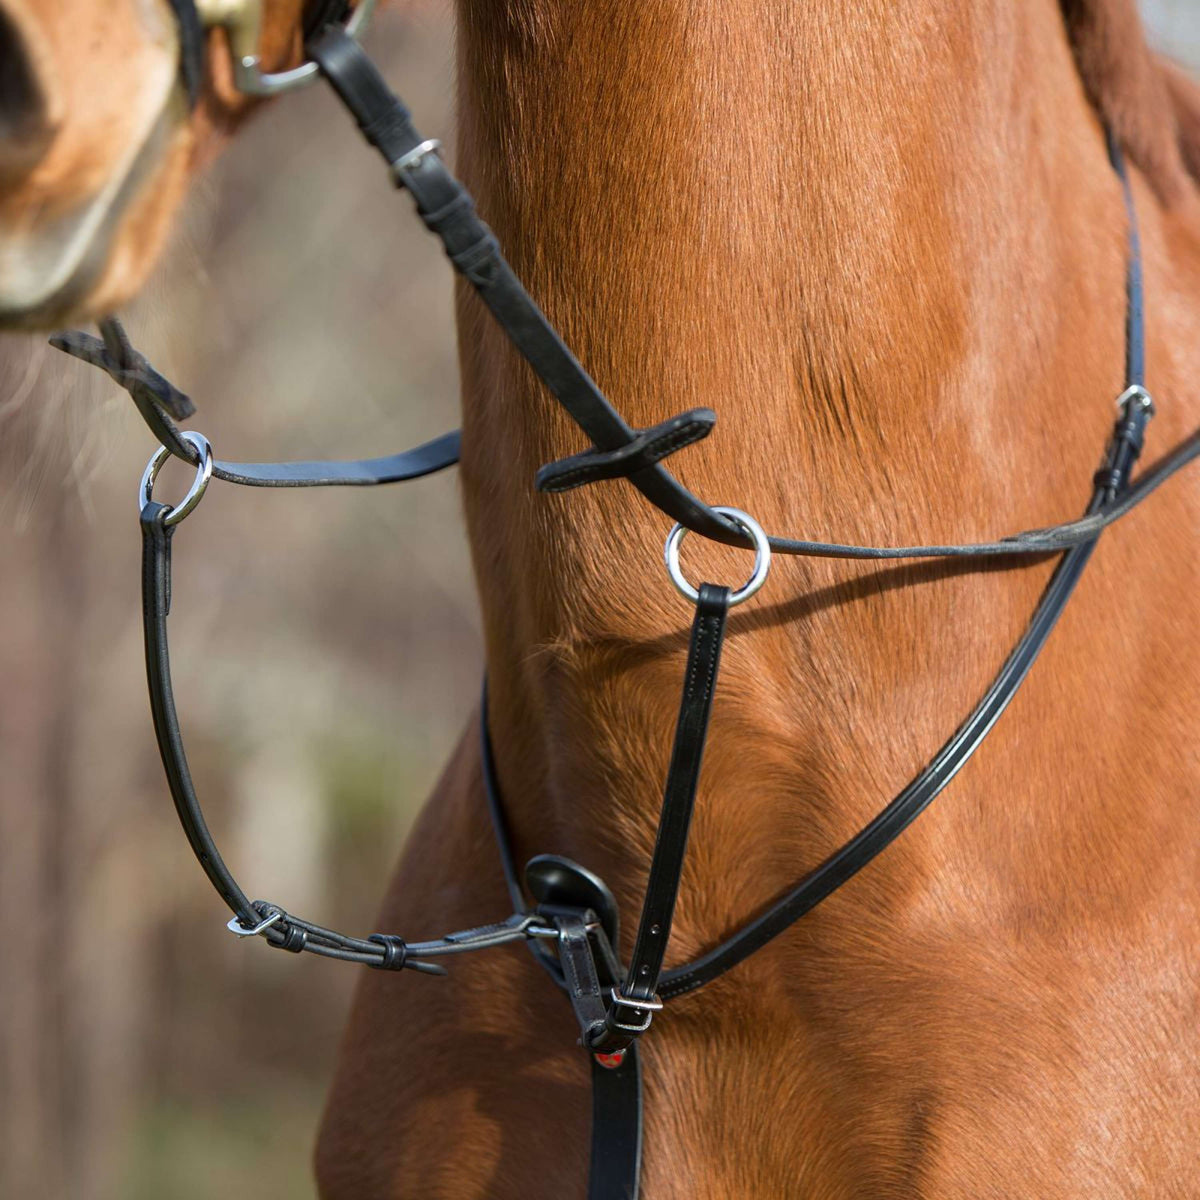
x=886 y=245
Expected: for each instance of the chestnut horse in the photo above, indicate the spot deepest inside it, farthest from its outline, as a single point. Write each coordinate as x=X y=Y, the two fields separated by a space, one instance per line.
x=885 y=244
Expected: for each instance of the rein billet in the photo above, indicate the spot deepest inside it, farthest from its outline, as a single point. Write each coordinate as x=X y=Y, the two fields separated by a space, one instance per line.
x=573 y=924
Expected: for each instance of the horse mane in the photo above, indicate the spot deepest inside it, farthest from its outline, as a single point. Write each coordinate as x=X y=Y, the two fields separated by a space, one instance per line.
x=1149 y=102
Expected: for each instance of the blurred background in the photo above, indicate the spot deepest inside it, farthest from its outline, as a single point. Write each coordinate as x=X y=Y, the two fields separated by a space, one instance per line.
x=326 y=655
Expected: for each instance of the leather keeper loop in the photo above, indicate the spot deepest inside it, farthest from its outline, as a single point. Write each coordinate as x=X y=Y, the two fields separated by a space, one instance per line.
x=395 y=951
x=647 y=447
x=294 y=941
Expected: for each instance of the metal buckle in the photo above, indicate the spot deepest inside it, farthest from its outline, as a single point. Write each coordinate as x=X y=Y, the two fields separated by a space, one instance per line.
x=413 y=158
x=1136 y=394
x=647 y=1007
x=242 y=22
x=236 y=927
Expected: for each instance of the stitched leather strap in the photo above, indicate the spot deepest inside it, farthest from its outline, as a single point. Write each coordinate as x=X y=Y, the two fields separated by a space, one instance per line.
x=649 y=446
x=626 y=1018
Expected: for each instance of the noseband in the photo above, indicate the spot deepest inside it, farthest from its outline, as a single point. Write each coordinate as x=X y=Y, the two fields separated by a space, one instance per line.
x=563 y=912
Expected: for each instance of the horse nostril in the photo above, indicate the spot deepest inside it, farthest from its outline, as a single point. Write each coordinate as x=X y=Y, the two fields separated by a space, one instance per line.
x=26 y=120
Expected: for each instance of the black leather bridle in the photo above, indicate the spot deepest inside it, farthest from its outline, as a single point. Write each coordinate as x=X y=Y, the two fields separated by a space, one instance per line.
x=565 y=913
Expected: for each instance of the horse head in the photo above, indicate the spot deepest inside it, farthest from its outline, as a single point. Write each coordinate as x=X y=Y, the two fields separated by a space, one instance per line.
x=106 y=111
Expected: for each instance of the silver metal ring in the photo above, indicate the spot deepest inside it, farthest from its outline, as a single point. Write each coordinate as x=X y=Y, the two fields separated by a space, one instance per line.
x=239 y=930
x=203 y=474
x=762 y=556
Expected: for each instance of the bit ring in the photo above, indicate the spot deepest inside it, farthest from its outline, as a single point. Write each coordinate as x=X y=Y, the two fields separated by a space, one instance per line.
x=204 y=468
x=762 y=556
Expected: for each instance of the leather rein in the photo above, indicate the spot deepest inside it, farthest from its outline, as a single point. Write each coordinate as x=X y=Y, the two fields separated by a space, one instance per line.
x=571 y=924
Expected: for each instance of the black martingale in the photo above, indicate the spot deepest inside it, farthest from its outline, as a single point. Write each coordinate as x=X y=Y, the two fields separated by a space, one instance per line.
x=570 y=923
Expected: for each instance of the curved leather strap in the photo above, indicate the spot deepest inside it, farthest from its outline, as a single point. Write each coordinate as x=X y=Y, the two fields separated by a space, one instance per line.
x=1124 y=447
x=155 y=397
x=156 y=604
x=281 y=929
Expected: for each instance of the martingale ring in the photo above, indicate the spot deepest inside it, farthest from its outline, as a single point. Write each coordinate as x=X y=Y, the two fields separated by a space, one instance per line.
x=762 y=556
x=203 y=474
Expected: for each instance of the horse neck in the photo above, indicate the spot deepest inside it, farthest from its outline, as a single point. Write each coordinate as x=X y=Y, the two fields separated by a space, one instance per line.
x=890 y=252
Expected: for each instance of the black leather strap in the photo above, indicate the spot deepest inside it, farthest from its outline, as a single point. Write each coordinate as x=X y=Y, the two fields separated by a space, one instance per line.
x=627 y=1019
x=157 y=399
x=319 y=13
x=616 y=1161
x=447 y=209
x=649 y=446
x=156 y=604
x=285 y=930
x=580 y=974
x=1126 y=443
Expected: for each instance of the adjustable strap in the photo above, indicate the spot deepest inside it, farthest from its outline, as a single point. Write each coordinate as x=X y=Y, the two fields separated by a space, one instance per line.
x=635 y=1001
x=448 y=210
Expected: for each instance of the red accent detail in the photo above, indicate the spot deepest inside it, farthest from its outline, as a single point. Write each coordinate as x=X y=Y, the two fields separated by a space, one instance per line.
x=611 y=1061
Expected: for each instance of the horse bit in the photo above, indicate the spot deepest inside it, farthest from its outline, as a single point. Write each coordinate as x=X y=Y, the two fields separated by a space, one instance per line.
x=572 y=926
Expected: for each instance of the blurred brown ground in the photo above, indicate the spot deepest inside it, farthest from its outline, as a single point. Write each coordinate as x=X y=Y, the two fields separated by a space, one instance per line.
x=326 y=654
